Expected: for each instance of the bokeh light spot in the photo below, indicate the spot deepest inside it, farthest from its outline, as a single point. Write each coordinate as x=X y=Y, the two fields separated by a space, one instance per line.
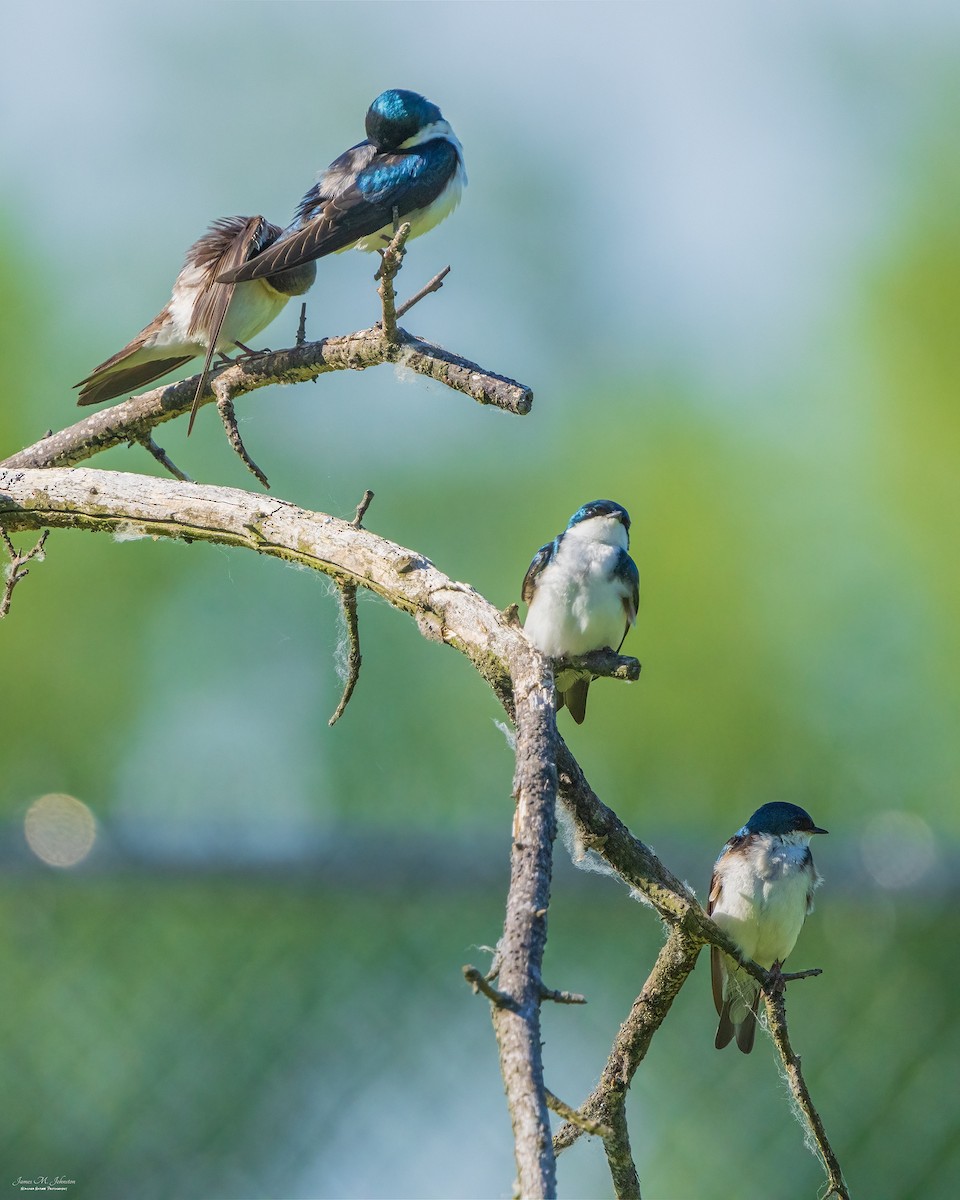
x=898 y=849
x=60 y=829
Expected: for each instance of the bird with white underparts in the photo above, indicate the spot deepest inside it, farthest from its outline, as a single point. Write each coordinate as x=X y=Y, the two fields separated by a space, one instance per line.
x=582 y=592
x=409 y=168
x=760 y=894
x=202 y=316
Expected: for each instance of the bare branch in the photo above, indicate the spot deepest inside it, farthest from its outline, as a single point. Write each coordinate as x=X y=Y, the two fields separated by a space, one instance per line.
x=602 y=664
x=110 y=501
x=16 y=568
x=134 y=419
x=606 y=1103
x=435 y=284
x=525 y=929
x=775 y=1000
x=555 y=1104
x=455 y=614
x=790 y=976
x=348 y=603
x=362 y=507
x=480 y=983
x=229 y=418
x=561 y=997
x=162 y=458
x=391 y=264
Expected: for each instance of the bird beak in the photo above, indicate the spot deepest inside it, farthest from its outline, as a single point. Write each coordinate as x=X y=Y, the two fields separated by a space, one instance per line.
x=816 y=830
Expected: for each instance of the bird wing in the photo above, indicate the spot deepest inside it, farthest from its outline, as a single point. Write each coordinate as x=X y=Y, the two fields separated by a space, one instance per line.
x=98 y=387
x=229 y=243
x=626 y=570
x=540 y=560
x=356 y=197
x=716 y=965
x=815 y=880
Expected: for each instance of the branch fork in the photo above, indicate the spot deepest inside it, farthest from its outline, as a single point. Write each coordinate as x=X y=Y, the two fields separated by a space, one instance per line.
x=545 y=773
x=17 y=570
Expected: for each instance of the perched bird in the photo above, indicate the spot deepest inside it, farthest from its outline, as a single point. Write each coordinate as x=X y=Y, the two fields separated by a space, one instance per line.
x=202 y=316
x=582 y=591
x=760 y=894
x=410 y=167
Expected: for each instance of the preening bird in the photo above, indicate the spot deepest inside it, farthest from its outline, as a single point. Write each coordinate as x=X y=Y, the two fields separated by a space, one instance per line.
x=410 y=167
x=202 y=316
x=582 y=591
x=760 y=894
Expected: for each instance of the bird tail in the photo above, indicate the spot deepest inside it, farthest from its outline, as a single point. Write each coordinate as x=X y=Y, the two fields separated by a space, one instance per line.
x=736 y=998
x=725 y=1029
x=103 y=384
x=575 y=698
x=747 y=1029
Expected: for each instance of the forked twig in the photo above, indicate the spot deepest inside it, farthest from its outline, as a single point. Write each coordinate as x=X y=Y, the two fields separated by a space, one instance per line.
x=16 y=569
x=162 y=457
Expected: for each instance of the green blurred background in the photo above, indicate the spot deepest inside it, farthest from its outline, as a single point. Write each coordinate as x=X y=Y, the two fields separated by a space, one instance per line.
x=720 y=241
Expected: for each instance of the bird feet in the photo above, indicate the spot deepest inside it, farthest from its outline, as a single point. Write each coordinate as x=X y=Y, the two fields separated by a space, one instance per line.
x=776 y=983
x=246 y=352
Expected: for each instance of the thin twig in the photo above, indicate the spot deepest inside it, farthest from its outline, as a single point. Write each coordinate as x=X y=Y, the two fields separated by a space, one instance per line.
x=16 y=568
x=229 y=417
x=791 y=976
x=362 y=507
x=392 y=262
x=348 y=603
x=162 y=458
x=623 y=1170
x=775 y=1000
x=555 y=1104
x=674 y=963
x=128 y=420
x=435 y=284
x=481 y=983
x=561 y=997
x=602 y=664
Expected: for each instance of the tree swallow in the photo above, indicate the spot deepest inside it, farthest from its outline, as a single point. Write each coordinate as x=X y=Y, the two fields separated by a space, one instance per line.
x=582 y=591
x=410 y=166
x=202 y=316
x=760 y=894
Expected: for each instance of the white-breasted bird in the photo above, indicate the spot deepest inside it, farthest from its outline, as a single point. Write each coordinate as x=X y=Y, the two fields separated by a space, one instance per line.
x=202 y=316
x=760 y=894
x=582 y=591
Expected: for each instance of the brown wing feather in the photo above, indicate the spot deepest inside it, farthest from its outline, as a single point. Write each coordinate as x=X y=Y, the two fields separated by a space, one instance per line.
x=716 y=966
x=293 y=251
x=97 y=387
x=335 y=214
x=540 y=560
x=229 y=244
x=211 y=309
x=716 y=979
x=131 y=347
